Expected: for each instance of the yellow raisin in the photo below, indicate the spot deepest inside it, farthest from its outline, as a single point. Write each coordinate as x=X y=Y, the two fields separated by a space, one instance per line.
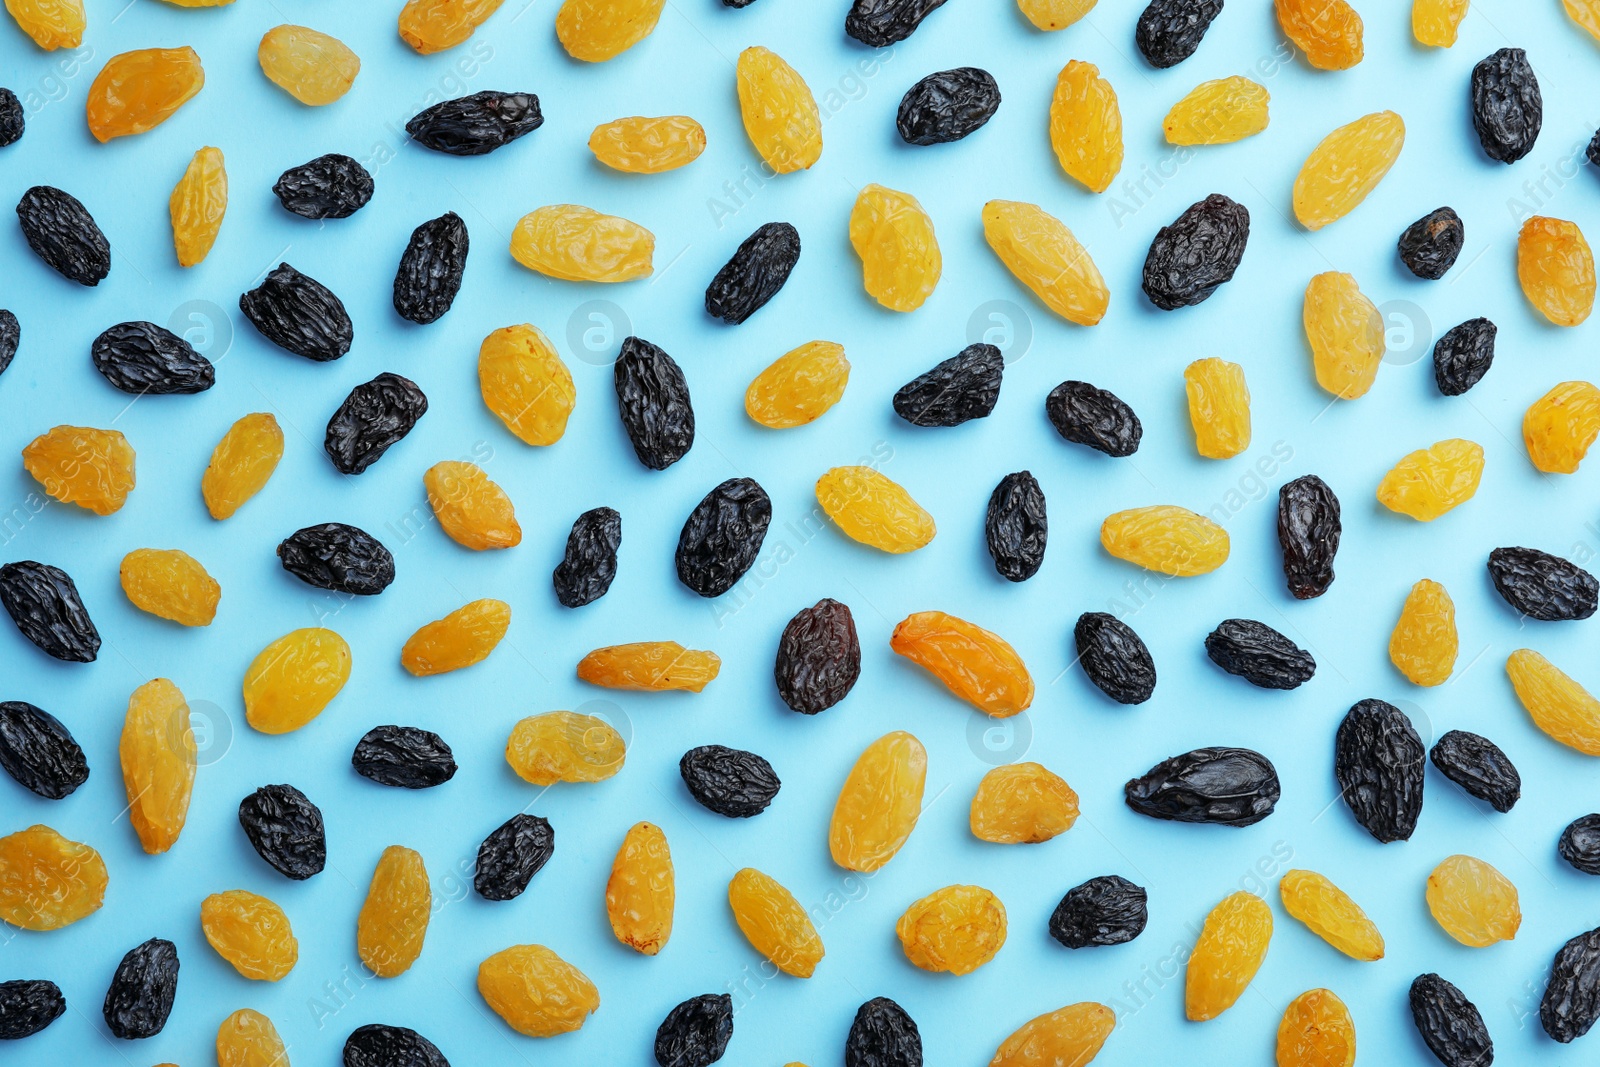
x=1557 y=704
x=1345 y=332
x=1430 y=481
x=1328 y=912
x=650 y=666
x=1067 y=1037
x=1041 y=253
x=158 y=762
x=82 y=465
x=1167 y=539
x=780 y=114
x=537 y=992
x=47 y=881
x=1316 y=1031
x=525 y=384
x=579 y=244
x=1423 y=646
x=565 y=746
x=248 y=1039
x=976 y=665
x=1561 y=425
x=1219 y=407
x=1227 y=955
x=51 y=23
x=879 y=803
x=1055 y=14
x=872 y=509
x=465 y=636
x=1476 y=904
x=1327 y=31
x=1435 y=22
x=956 y=929
x=470 y=507
x=293 y=679
x=1021 y=804
x=900 y=260
x=241 y=464
x=171 y=584
x=799 y=386
x=394 y=918
x=1218 y=112
x=432 y=26
x=1585 y=13
x=639 y=145
x=1556 y=269
x=139 y=90
x=774 y=923
x=1086 y=126
x=641 y=893
x=197 y=205
x=597 y=30
x=312 y=67
x=250 y=932
x=1345 y=166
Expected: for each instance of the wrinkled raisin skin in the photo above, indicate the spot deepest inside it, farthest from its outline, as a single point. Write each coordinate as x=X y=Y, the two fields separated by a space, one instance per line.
x=1478 y=765
x=1114 y=658
x=142 y=990
x=13 y=120
x=653 y=398
x=1087 y=415
x=337 y=557
x=27 y=1006
x=1259 y=654
x=1463 y=356
x=299 y=314
x=39 y=752
x=141 y=357
x=1202 y=248
x=1580 y=844
x=729 y=781
x=1542 y=586
x=511 y=855
x=957 y=390
x=589 y=566
x=373 y=418
x=881 y=23
x=1449 y=1023
x=819 y=658
x=754 y=274
x=947 y=106
x=1507 y=109
x=382 y=1045
x=1169 y=31
x=722 y=536
x=286 y=830
x=1571 y=1002
x=1221 y=786
x=333 y=186
x=44 y=603
x=1308 y=532
x=61 y=232
x=477 y=124
x=1378 y=762
x=1015 y=526
x=10 y=338
x=882 y=1035
x=404 y=757
x=1108 y=910
x=1429 y=246
x=431 y=269
x=696 y=1032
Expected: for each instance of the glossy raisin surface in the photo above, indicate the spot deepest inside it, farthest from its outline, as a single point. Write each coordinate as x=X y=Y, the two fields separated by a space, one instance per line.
x=1556 y=702
x=957 y=390
x=774 y=922
x=653 y=399
x=476 y=125
x=332 y=186
x=431 y=269
x=82 y=465
x=722 y=536
x=1328 y=912
x=1429 y=246
x=1022 y=804
x=312 y=67
x=299 y=314
x=1226 y=955
x=251 y=932
x=1424 y=644
x=384 y=1045
x=1379 y=762
x=1114 y=658
x=137 y=91
x=1199 y=251
x=881 y=23
x=1579 y=843
x=1223 y=786
x=1316 y=1031
x=1507 y=108
x=799 y=386
x=1015 y=526
x=537 y=992
x=1088 y=415
x=1329 y=32
x=1044 y=255
x=159 y=757
x=39 y=752
x=729 y=781
x=393 y=923
x=1449 y=1023
x=1463 y=355
x=48 y=882
x=755 y=273
x=1259 y=654
x=1555 y=267
x=373 y=418
x=894 y=237
x=338 y=557
x=142 y=990
x=406 y=757
x=1345 y=332
x=294 y=678
x=643 y=145
x=779 y=112
x=879 y=803
x=564 y=746
x=27 y=1006
x=1086 y=126
x=10 y=338
x=525 y=384
x=462 y=638
x=44 y=603
x=141 y=357
x=947 y=106
x=819 y=657
x=1308 y=532
x=473 y=511
x=286 y=829
x=954 y=930
x=1167 y=539
x=1074 y=1034
x=1477 y=765
x=198 y=205
x=872 y=508
x=511 y=855
x=882 y=1035
x=1108 y=910
x=975 y=664
x=1473 y=902
x=1571 y=1002
x=696 y=1032
x=650 y=666
x=61 y=232
x=1169 y=31
x=1542 y=586
x=641 y=892
x=13 y=120
x=589 y=566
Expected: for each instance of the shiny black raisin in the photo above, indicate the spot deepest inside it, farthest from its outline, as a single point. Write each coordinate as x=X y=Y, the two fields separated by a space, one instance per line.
x=141 y=357
x=737 y=3
x=382 y=1045
x=1507 y=110
x=374 y=417
x=333 y=186
x=405 y=757
x=286 y=830
x=696 y=1032
x=758 y=269
x=1429 y=246
x=13 y=120
x=947 y=106
x=510 y=856
x=653 y=398
x=10 y=338
x=1259 y=654
x=27 y=1006
x=1223 y=786
x=1593 y=151
x=722 y=536
x=1114 y=658
x=1463 y=356
x=819 y=657
x=44 y=603
x=963 y=387
x=344 y=559
x=1478 y=765
x=431 y=269
x=1449 y=1023
x=1541 y=586
x=1308 y=532
x=61 y=232
x=477 y=124
x=882 y=1035
x=1015 y=526
x=880 y=23
x=141 y=993
x=1378 y=761
x=39 y=752
x=1571 y=1002
x=299 y=314
x=1198 y=252
x=587 y=570
x=1169 y=31
x=729 y=781
x=1108 y=910
x=1088 y=415
x=1580 y=844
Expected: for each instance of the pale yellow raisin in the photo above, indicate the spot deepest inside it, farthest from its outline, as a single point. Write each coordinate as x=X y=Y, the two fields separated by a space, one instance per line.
x=1560 y=426
x=597 y=30
x=873 y=509
x=1431 y=481
x=641 y=892
x=1476 y=904
x=799 y=386
x=579 y=244
x=158 y=763
x=1218 y=112
x=780 y=114
x=1346 y=166
x=1345 y=332
x=1219 y=407
x=525 y=384
x=197 y=205
x=565 y=746
x=1086 y=126
x=1167 y=539
x=1556 y=269
x=394 y=919
x=1041 y=253
x=900 y=261
x=310 y=66
x=1227 y=955
x=1424 y=644
x=879 y=803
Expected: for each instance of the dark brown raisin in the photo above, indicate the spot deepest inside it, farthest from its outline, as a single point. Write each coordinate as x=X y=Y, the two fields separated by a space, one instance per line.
x=722 y=536
x=947 y=106
x=1108 y=910
x=431 y=269
x=61 y=232
x=729 y=781
x=696 y=1032
x=819 y=657
x=141 y=993
x=1198 y=252
x=382 y=1045
x=653 y=398
x=1114 y=658
x=39 y=752
x=1449 y=1023
x=286 y=830
x=961 y=388
x=510 y=857
x=882 y=1035
x=1224 y=786
x=44 y=603
x=587 y=570
x=1571 y=1002
x=13 y=120
x=1463 y=356
x=477 y=124
x=141 y=357
x=1169 y=31
x=299 y=314
x=1507 y=110
x=754 y=275
x=333 y=186
x=880 y=23
x=1308 y=532
x=1429 y=246
x=27 y=1006
x=344 y=559
x=1541 y=586
x=10 y=338
x=1088 y=415
x=1015 y=526
x=1478 y=765
x=373 y=418
x=1580 y=844
x=405 y=757
x=1259 y=654
x=1378 y=761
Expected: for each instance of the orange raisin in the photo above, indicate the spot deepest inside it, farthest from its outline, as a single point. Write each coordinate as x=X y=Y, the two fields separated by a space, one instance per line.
x=1167 y=539
x=1423 y=646
x=597 y=30
x=579 y=244
x=1021 y=804
x=470 y=507
x=294 y=678
x=565 y=746
x=650 y=666
x=1086 y=126
x=312 y=67
x=879 y=803
x=197 y=205
x=1430 y=481
x=799 y=387
x=1345 y=332
x=248 y=1039
x=1218 y=112
x=1435 y=22
x=956 y=929
x=1476 y=904
x=1055 y=14
x=1327 y=31
x=51 y=23
x=394 y=918
x=1328 y=912
x=171 y=584
x=525 y=384
x=432 y=26
x=976 y=665
x=640 y=145
x=1227 y=955
x=1557 y=704
x=1316 y=1031
x=774 y=922
x=158 y=763
x=250 y=932
x=241 y=464
x=465 y=636
x=139 y=90
x=1560 y=426
x=871 y=508
x=900 y=261
x=1067 y=1037
x=1585 y=13
x=1345 y=166
x=780 y=114
x=641 y=894
x=1556 y=269
x=1219 y=407
x=1041 y=253
x=82 y=465
x=47 y=881
x=537 y=992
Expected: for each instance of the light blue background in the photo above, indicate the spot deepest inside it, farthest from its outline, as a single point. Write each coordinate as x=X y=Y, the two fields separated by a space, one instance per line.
x=686 y=66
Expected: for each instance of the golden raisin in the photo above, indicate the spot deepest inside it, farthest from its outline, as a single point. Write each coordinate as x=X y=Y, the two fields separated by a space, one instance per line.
x=470 y=507
x=1327 y=31
x=51 y=23
x=1345 y=166
x=1558 y=705
x=84 y=466
x=1022 y=804
x=1556 y=269
x=1430 y=481
x=537 y=992
x=1328 y=912
x=879 y=803
x=976 y=665
x=1067 y=1037
x=171 y=584
x=1167 y=539
x=956 y=929
x=1345 y=332
x=780 y=114
x=597 y=30
x=47 y=881
x=639 y=145
x=1585 y=13
x=394 y=918
x=248 y=1039
x=250 y=932
x=158 y=762
x=1423 y=646
x=1476 y=904
x=1086 y=126
x=565 y=746
x=799 y=386
x=774 y=923
x=900 y=260
x=1561 y=425
x=525 y=384
x=579 y=244
x=1041 y=253
x=650 y=666
x=197 y=205
x=312 y=67
x=1218 y=112
x=293 y=679
x=1055 y=14
x=872 y=509
x=1227 y=955
x=432 y=26
x=1435 y=22
x=139 y=90
x=465 y=636
x=1219 y=407
x=1316 y=1031
x=641 y=893
x=241 y=464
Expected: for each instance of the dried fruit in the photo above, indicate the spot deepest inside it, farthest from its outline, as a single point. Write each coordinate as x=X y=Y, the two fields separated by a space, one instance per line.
x=1579 y=844
x=1088 y=415
x=653 y=400
x=955 y=930
x=536 y=992
x=10 y=338
x=640 y=893
x=1055 y=14
x=158 y=763
x=1431 y=481
x=1556 y=269
x=1108 y=910
x=1226 y=955
x=1169 y=31
x=299 y=314
x=1423 y=646
x=1167 y=539
x=893 y=235
x=729 y=781
x=1583 y=13
x=1474 y=903
x=1328 y=912
x=1068 y=1036
x=1086 y=126
x=1542 y=586
x=474 y=511
x=1041 y=253
x=565 y=746
x=1219 y=407
x=28 y=1006
x=819 y=657
x=80 y=465
x=696 y=1032
x=649 y=666
x=1221 y=111
x=374 y=417
x=139 y=90
x=879 y=803
x=286 y=830
x=1478 y=766
x=61 y=232
x=250 y=932
x=1560 y=426
x=1198 y=252
x=1259 y=654
x=294 y=678
x=1308 y=533
x=1346 y=165
x=722 y=536
x=589 y=566
x=1327 y=31
x=1507 y=109
x=1114 y=658
x=44 y=603
x=1463 y=355
x=432 y=26
x=248 y=1039
x=197 y=205
x=1346 y=335
x=871 y=508
x=1015 y=527
x=511 y=855
x=39 y=752
x=1221 y=786
x=639 y=145
x=431 y=269
x=799 y=386
x=780 y=115
x=140 y=997
x=881 y=23
x=1449 y=1023
x=1434 y=22
x=476 y=125
x=525 y=384
x=579 y=244
x=394 y=918
x=170 y=584
x=47 y=881
x=1316 y=1031
x=1022 y=804
x=596 y=30
x=758 y=269
x=312 y=67
x=959 y=389
x=332 y=186
x=774 y=922
x=1557 y=704
x=947 y=106
x=241 y=464
x=1378 y=762
x=338 y=557
x=1571 y=1002
x=52 y=24
x=1429 y=246
x=882 y=1035
x=405 y=757
x=143 y=358
x=974 y=664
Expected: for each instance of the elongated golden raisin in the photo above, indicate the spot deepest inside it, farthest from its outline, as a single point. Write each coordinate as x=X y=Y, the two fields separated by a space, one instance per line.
x=1585 y=13
x=158 y=762
x=1560 y=426
x=1430 y=481
x=293 y=679
x=470 y=507
x=1327 y=31
x=1067 y=1037
x=956 y=929
x=1328 y=912
x=394 y=918
x=310 y=66
x=1227 y=955
x=1476 y=904
x=799 y=386
x=250 y=932
x=1435 y=22
x=1086 y=126
x=976 y=665
x=1424 y=644
x=1345 y=166
x=565 y=746
x=248 y=1039
x=1218 y=112
x=597 y=30
x=1556 y=269
x=650 y=666
x=465 y=636
x=780 y=115
x=1219 y=407
x=640 y=145
x=1055 y=14
x=241 y=464
x=51 y=23
x=82 y=465
x=139 y=90
x=1167 y=539
x=1557 y=704
x=1041 y=253
x=774 y=923
x=879 y=803
x=197 y=205
x=1345 y=332
x=579 y=244
x=525 y=384
x=641 y=892
x=872 y=509
x=1316 y=1031
x=537 y=992
x=47 y=881
x=171 y=584
x=1021 y=804
x=432 y=26
x=900 y=261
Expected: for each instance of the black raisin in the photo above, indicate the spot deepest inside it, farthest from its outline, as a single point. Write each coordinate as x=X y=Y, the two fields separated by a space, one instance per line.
x=299 y=314
x=653 y=398
x=1593 y=151
x=141 y=993
x=39 y=752
x=1015 y=526
x=587 y=570
x=44 y=603
x=477 y=124
x=1463 y=356
x=819 y=657
x=344 y=559
x=13 y=120
x=722 y=536
x=1541 y=586
x=963 y=387
x=1224 y=786
x=1378 y=761
x=141 y=357
x=696 y=1032
x=286 y=830
x=406 y=757
x=1429 y=246
x=1259 y=654
x=947 y=106
x=61 y=232
x=381 y=1045
x=880 y=23
x=1109 y=910
x=1478 y=765
x=1507 y=110
x=1571 y=1002
x=1449 y=1023
x=1198 y=252
x=737 y=3
x=10 y=338
x=1308 y=532
x=1088 y=415
x=27 y=1006
x=882 y=1035
x=729 y=781
x=374 y=417
x=431 y=269
x=1169 y=31
x=758 y=269
x=510 y=856
x=333 y=186
x=1114 y=658
x=1580 y=844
